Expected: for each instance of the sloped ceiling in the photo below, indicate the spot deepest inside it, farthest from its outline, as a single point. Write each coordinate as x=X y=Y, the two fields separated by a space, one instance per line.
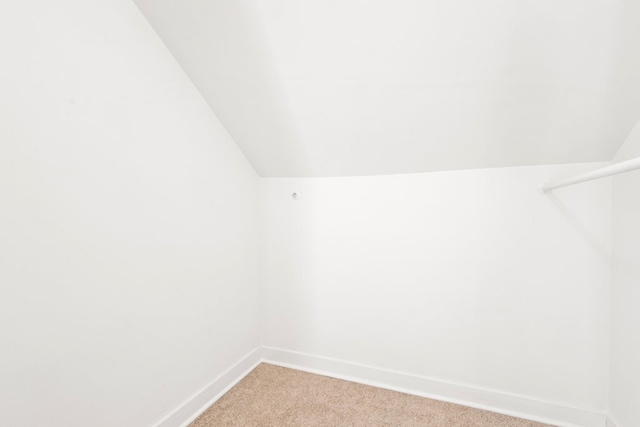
x=362 y=87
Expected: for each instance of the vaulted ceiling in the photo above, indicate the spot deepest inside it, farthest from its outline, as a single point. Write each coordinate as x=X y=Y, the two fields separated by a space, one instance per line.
x=362 y=87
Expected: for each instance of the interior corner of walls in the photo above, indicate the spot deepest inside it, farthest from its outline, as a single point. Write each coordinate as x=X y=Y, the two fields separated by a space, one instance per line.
x=610 y=422
x=630 y=147
x=190 y=409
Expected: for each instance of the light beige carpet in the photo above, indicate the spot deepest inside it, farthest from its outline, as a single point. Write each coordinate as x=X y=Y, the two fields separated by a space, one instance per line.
x=275 y=396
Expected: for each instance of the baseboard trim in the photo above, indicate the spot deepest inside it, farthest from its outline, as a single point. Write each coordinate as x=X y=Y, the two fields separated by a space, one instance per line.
x=496 y=401
x=491 y=400
x=188 y=411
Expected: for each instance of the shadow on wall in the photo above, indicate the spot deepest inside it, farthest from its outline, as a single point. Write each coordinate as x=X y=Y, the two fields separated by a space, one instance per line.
x=540 y=88
x=237 y=78
x=592 y=241
x=627 y=67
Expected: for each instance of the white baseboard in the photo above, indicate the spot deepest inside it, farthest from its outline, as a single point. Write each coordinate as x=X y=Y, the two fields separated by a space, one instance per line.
x=184 y=414
x=491 y=400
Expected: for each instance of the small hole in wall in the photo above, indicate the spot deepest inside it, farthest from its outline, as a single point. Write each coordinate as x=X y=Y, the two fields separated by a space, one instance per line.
x=294 y=196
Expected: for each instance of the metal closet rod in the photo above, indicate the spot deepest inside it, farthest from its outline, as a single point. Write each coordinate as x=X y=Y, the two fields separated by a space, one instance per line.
x=626 y=166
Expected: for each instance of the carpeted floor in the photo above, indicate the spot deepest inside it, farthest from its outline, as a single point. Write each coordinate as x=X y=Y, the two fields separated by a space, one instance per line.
x=275 y=396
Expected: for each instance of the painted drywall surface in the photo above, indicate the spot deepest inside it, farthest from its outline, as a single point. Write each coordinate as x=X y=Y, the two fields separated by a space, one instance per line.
x=354 y=87
x=128 y=223
x=625 y=315
x=472 y=277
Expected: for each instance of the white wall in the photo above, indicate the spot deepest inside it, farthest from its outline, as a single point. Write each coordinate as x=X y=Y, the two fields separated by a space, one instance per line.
x=371 y=87
x=128 y=223
x=473 y=277
x=625 y=301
